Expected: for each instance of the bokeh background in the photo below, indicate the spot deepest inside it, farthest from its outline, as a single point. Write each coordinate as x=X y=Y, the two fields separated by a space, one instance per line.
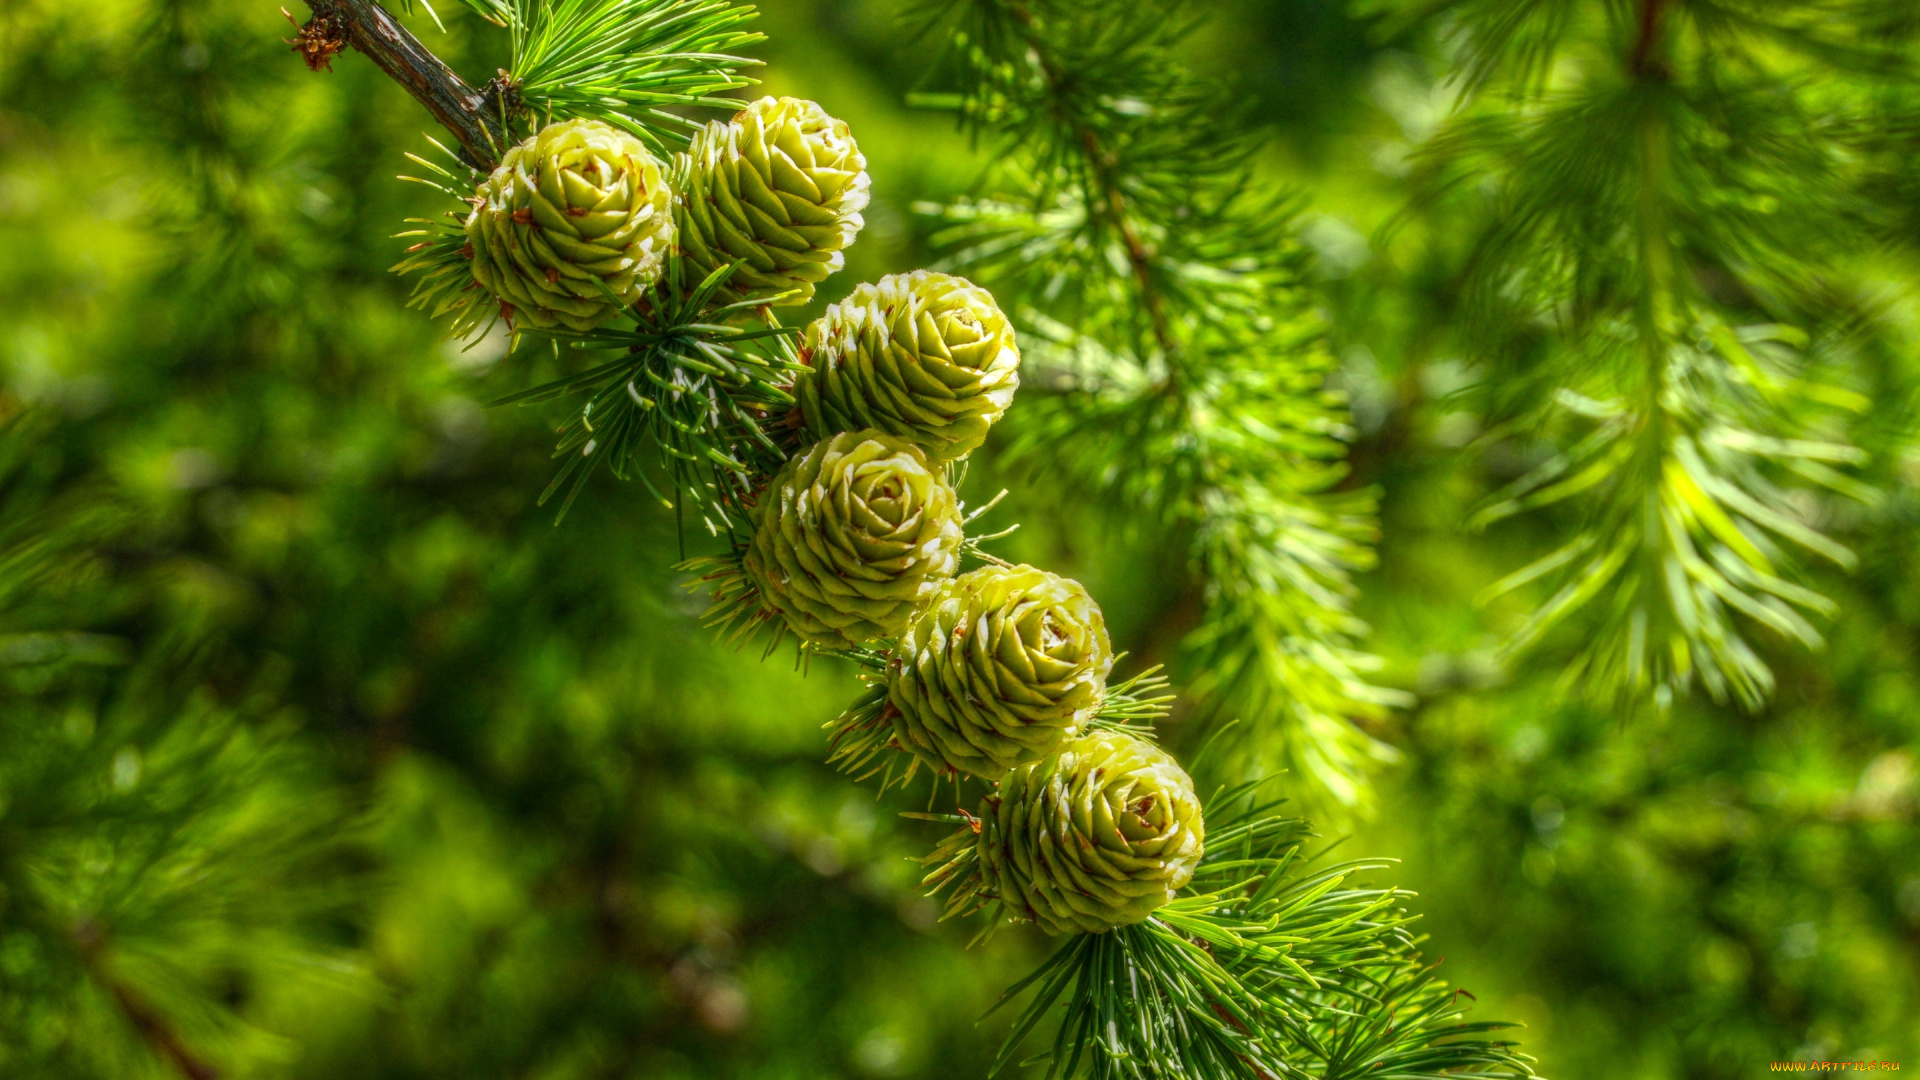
x=325 y=753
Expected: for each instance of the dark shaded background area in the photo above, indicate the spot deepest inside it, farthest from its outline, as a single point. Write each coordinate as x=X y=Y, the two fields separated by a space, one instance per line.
x=493 y=804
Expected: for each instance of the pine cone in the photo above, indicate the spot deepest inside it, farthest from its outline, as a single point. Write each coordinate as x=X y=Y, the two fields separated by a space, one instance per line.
x=997 y=669
x=1092 y=837
x=850 y=536
x=927 y=357
x=574 y=213
x=780 y=186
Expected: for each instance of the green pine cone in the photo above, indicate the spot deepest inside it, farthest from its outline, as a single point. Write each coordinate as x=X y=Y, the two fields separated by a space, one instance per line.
x=997 y=669
x=778 y=189
x=1092 y=837
x=575 y=213
x=850 y=536
x=925 y=356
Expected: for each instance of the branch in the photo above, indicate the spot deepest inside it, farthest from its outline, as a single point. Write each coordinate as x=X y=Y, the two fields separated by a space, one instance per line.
x=1642 y=64
x=1101 y=165
x=89 y=940
x=159 y=1035
x=373 y=30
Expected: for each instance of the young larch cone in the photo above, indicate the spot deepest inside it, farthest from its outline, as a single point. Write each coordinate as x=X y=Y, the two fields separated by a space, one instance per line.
x=571 y=226
x=1096 y=835
x=777 y=189
x=998 y=668
x=927 y=357
x=850 y=536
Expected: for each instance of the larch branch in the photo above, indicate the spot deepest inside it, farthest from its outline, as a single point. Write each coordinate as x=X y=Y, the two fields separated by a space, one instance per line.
x=89 y=941
x=1643 y=63
x=1100 y=164
x=473 y=116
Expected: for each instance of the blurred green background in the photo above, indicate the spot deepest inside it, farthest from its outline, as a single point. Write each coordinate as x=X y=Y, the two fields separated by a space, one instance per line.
x=324 y=753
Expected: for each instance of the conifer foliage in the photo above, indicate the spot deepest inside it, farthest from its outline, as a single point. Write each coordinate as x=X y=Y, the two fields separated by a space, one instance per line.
x=322 y=754
x=1673 y=188
x=158 y=847
x=1181 y=369
x=827 y=461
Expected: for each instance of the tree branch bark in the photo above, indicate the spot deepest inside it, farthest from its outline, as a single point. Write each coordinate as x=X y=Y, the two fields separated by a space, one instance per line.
x=89 y=938
x=1644 y=62
x=469 y=114
x=1115 y=210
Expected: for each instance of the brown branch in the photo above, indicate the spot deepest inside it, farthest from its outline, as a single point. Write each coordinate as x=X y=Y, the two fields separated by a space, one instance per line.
x=473 y=116
x=1100 y=162
x=1642 y=63
x=1137 y=255
x=89 y=941
x=162 y=1037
